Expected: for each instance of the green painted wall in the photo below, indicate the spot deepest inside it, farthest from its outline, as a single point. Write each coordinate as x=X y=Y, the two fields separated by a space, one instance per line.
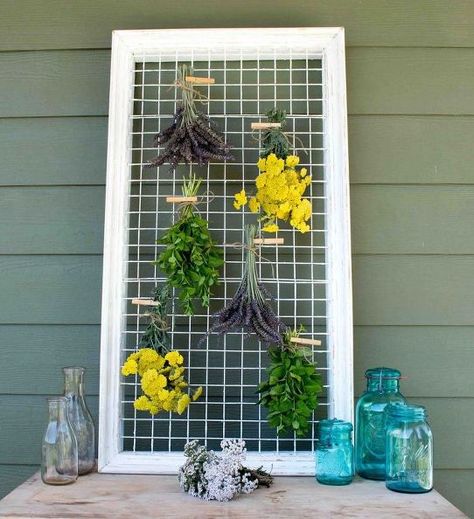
x=411 y=106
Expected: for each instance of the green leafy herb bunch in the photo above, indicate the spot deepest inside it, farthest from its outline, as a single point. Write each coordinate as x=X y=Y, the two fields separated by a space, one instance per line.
x=292 y=387
x=190 y=260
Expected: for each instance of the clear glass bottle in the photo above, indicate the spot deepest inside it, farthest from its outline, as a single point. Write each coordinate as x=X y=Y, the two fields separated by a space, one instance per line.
x=80 y=417
x=334 y=453
x=383 y=388
x=59 y=464
x=409 y=444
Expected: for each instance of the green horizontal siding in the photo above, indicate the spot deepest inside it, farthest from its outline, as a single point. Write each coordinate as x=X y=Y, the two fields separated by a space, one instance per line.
x=411 y=149
x=58 y=220
x=40 y=353
x=388 y=290
x=418 y=351
x=400 y=81
x=68 y=220
x=53 y=151
x=52 y=24
x=436 y=359
x=383 y=150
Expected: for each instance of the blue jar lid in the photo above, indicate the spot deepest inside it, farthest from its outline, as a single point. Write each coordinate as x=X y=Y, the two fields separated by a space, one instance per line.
x=383 y=373
x=406 y=411
x=334 y=425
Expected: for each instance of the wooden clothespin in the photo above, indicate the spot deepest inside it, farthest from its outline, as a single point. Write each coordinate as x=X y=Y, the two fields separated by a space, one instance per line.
x=268 y=241
x=200 y=80
x=145 y=302
x=305 y=342
x=180 y=199
x=264 y=126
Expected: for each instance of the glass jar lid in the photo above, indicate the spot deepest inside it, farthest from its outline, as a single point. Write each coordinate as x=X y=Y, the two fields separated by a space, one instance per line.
x=383 y=373
x=334 y=425
x=406 y=411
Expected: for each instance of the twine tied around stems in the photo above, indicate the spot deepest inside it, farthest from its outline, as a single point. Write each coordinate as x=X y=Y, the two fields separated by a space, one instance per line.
x=291 y=143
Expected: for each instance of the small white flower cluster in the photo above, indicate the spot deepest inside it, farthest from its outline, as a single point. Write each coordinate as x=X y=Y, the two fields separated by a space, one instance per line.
x=216 y=476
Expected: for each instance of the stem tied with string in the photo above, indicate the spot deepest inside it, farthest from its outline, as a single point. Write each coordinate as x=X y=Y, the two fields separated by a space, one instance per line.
x=249 y=308
x=190 y=259
x=192 y=138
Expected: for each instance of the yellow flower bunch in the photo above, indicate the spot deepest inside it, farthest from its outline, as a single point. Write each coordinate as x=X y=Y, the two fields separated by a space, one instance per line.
x=280 y=190
x=162 y=381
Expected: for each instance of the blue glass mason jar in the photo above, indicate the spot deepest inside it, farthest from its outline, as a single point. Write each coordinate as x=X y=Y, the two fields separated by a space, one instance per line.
x=334 y=453
x=382 y=389
x=409 y=444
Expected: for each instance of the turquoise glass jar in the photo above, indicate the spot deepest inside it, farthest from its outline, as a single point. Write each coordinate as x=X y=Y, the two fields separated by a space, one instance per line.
x=382 y=389
x=334 y=453
x=409 y=444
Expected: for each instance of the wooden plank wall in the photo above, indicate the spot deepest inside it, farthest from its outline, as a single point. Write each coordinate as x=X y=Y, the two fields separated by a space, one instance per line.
x=411 y=104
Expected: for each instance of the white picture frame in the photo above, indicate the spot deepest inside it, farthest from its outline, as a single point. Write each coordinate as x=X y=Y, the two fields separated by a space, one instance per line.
x=127 y=46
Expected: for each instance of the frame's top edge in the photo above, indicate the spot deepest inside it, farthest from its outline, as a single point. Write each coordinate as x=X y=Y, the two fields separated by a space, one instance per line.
x=137 y=40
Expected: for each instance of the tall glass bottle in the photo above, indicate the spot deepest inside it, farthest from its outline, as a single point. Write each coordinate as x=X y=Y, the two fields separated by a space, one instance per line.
x=409 y=440
x=80 y=418
x=382 y=389
x=59 y=464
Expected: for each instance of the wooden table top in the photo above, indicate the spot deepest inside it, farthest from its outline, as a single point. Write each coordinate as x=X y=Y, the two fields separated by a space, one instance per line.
x=128 y=496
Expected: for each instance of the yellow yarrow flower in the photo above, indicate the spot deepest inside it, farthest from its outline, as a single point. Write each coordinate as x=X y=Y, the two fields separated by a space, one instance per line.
x=270 y=228
x=174 y=358
x=254 y=205
x=130 y=367
x=292 y=161
x=153 y=382
x=240 y=199
x=183 y=403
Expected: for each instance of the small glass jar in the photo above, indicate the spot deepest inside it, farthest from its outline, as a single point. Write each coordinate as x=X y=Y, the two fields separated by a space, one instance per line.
x=409 y=440
x=382 y=389
x=334 y=453
x=80 y=418
x=59 y=451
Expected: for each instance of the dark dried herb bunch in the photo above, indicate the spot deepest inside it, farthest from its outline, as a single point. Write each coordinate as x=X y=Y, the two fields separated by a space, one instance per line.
x=249 y=309
x=274 y=140
x=156 y=334
x=192 y=138
x=292 y=387
x=190 y=260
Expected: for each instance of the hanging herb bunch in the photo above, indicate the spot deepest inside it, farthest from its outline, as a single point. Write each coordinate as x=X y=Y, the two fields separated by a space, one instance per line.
x=280 y=185
x=190 y=259
x=219 y=476
x=249 y=308
x=291 y=389
x=193 y=137
x=161 y=371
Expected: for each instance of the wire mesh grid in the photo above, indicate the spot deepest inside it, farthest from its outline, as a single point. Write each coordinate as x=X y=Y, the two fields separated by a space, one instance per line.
x=230 y=367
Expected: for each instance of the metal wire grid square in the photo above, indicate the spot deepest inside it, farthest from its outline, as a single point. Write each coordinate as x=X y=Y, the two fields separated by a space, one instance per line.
x=230 y=367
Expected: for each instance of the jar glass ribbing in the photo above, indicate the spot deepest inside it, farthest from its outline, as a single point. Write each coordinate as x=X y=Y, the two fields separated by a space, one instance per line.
x=334 y=453
x=382 y=389
x=59 y=464
x=80 y=417
x=409 y=444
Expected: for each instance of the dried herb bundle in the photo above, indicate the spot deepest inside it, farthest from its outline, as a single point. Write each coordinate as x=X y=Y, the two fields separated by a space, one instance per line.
x=190 y=260
x=291 y=389
x=274 y=140
x=192 y=138
x=249 y=309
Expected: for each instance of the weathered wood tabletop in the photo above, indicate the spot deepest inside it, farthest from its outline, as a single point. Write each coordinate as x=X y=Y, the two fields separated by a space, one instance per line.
x=129 y=496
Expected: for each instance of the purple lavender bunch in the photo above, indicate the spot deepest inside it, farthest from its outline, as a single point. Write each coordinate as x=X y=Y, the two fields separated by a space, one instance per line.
x=249 y=309
x=192 y=138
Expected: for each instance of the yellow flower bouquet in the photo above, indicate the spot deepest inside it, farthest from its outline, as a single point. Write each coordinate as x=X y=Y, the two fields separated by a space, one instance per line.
x=280 y=190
